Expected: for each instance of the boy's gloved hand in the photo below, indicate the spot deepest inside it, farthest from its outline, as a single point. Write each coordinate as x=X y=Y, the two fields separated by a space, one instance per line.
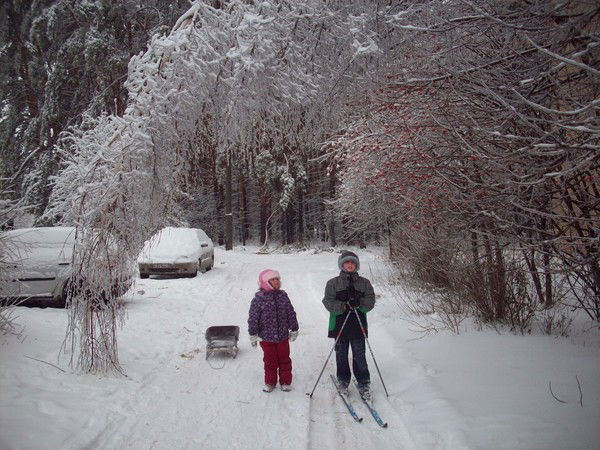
x=354 y=302
x=253 y=341
x=342 y=296
x=293 y=335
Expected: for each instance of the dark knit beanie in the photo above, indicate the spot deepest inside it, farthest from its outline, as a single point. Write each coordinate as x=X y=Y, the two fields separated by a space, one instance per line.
x=348 y=256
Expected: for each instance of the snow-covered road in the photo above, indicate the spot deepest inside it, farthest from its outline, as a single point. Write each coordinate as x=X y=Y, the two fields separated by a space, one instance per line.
x=187 y=402
x=482 y=390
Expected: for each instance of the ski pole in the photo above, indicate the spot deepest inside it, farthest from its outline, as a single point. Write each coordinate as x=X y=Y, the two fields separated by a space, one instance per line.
x=370 y=349
x=337 y=338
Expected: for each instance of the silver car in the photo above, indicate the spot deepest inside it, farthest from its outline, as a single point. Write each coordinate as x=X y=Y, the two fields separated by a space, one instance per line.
x=35 y=267
x=177 y=251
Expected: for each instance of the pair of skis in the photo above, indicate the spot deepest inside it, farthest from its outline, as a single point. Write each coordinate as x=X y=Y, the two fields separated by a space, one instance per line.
x=351 y=409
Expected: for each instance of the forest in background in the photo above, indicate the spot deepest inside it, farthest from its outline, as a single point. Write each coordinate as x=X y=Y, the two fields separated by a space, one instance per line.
x=464 y=135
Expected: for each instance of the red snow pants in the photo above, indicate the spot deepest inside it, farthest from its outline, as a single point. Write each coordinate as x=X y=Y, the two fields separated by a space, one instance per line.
x=277 y=357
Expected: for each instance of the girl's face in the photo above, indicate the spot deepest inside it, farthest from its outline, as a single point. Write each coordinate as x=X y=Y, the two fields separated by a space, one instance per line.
x=275 y=283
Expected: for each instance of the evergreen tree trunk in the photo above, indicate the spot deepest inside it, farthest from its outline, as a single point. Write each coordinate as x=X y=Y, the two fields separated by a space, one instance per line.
x=217 y=195
x=332 y=237
x=243 y=209
x=289 y=222
x=228 y=207
x=265 y=211
x=284 y=228
x=301 y=217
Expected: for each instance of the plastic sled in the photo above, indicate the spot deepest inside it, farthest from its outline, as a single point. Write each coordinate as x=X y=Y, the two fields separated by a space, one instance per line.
x=222 y=339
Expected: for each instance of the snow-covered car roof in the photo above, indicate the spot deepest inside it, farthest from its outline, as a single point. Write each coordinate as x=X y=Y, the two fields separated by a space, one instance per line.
x=49 y=236
x=30 y=246
x=172 y=245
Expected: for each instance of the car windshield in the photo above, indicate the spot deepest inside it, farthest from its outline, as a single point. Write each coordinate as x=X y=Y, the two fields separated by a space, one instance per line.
x=171 y=245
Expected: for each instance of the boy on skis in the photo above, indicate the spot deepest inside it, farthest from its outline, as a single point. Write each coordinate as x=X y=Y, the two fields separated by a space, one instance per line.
x=345 y=296
x=272 y=320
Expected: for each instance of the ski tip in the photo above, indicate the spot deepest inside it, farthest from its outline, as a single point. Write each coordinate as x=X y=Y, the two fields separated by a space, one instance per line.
x=384 y=425
x=360 y=419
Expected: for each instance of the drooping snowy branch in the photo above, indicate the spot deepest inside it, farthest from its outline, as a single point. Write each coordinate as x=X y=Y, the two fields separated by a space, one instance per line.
x=486 y=133
x=220 y=74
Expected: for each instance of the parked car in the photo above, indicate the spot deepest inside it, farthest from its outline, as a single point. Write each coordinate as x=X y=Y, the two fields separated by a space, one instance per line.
x=177 y=251
x=37 y=266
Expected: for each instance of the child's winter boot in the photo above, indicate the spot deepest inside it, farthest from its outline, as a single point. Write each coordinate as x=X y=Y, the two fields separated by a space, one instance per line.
x=343 y=388
x=365 y=392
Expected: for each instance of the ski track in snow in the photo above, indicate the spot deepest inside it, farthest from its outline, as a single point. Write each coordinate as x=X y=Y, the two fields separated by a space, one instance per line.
x=223 y=408
x=174 y=398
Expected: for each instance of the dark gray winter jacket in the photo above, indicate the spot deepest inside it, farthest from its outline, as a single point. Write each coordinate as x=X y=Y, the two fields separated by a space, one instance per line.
x=338 y=292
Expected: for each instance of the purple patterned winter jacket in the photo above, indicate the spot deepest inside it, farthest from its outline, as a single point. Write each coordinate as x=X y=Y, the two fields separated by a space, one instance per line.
x=271 y=316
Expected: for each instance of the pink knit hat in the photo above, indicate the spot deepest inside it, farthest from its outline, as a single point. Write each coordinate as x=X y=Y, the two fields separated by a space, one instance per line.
x=265 y=276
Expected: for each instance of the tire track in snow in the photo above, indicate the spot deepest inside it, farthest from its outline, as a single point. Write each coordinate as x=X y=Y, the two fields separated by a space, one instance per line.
x=190 y=312
x=168 y=423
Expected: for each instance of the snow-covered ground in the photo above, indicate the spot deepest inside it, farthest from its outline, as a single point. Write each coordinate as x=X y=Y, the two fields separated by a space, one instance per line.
x=473 y=390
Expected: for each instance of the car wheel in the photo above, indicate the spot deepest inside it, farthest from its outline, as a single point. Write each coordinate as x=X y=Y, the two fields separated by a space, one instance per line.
x=143 y=276
x=61 y=302
x=201 y=268
x=211 y=264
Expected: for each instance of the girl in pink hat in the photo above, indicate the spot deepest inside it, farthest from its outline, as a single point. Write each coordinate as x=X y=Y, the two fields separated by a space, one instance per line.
x=272 y=321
